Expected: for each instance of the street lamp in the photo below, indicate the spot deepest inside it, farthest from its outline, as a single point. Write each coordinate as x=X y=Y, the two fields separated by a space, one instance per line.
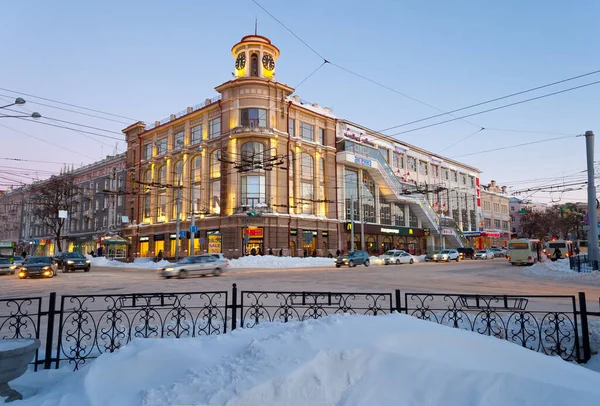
x=19 y=101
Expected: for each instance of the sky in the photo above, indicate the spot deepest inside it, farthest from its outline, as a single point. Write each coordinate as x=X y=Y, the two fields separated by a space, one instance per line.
x=144 y=60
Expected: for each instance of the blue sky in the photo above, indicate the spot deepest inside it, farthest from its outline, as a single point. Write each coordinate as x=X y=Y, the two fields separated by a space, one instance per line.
x=148 y=59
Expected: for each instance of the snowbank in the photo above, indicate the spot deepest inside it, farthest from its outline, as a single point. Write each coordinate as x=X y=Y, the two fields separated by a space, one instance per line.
x=338 y=360
x=559 y=269
x=139 y=263
x=274 y=262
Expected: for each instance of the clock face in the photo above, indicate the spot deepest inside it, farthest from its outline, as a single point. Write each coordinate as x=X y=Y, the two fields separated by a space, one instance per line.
x=240 y=62
x=268 y=62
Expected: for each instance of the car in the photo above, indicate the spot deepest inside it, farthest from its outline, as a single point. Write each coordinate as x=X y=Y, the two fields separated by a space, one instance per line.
x=201 y=265
x=6 y=267
x=389 y=254
x=404 y=258
x=353 y=258
x=446 y=255
x=466 y=252
x=484 y=254
x=42 y=267
x=71 y=261
x=18 y=260
x=429 y=255
x=498 y=252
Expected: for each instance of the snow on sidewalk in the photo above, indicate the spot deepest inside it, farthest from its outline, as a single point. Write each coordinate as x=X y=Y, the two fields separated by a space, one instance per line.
x=337 y=360
x=559 y=270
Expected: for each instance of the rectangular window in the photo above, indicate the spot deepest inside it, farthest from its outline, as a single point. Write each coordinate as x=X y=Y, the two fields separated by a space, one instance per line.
x=197 y=134
x=472 y=180
x=215 y=197
x=423 y=167
x=253 y=118
x=178 y=140
x=196 y=190
x=445 y=173
x=412 y=164
x=497 y=223
x=322 y=136
x=119 y=200
x=398 y=160
x=253 y=190
x=454 y=176
x=307 y=131
x=435 y=170
x=487 y=222
x=505 y=225
x=214 y=128
x=147 y=208
x=496 y=207
x=464 y=179
x=161 y=212
x=147 y=151
x=292 y=129
x=161 y=146
x=307 y=193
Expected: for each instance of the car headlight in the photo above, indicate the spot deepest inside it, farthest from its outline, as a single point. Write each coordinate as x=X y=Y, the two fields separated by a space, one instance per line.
x=70 y=262
x=23 y=269
x=47 y=273
x=13 y=267
x=46 y=268
x=88 y=261
x=169 y=269
x=22 y=274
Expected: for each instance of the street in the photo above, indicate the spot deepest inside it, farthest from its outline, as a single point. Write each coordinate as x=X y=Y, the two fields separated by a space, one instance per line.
x=469 y=276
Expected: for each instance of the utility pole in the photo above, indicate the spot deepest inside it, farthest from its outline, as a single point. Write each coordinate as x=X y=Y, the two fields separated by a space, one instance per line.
x=593 y=233
x=192 y=232
x=352 y=223
x=178 y=224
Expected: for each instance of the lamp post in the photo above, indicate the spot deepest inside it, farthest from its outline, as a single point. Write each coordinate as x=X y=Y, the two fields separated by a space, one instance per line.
x=19 y=101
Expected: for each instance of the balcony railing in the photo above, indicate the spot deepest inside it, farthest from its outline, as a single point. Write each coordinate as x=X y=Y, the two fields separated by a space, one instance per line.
x=182 y=113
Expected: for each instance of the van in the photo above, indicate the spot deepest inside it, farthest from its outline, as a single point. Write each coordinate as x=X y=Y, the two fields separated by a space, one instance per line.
x=522 y=251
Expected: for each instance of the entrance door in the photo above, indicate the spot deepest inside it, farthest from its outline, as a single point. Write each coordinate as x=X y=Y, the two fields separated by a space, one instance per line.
x=144 y=248
x=292 y=248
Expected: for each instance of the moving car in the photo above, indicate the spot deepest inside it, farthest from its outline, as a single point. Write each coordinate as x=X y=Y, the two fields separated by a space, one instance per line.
x=498 y=252
x=71 y=261
x=429 y=255
x=446 y=255
x=6 y=267
x=43 y=267
x=484 y=254
x=18 y=261
x=195 y=265
x=353 y=258
x=401 y=258
x=466 y=252
x=389 y=254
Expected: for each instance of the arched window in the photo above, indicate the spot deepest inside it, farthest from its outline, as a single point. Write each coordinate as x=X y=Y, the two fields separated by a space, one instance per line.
x=254 y=65
x=253 y=179
x=196 y=170
x=146 y=206
x=215 y=182
x=162 y=175
x=215 y=164
x=178 y=173
x=196 y=187
x=307 y=174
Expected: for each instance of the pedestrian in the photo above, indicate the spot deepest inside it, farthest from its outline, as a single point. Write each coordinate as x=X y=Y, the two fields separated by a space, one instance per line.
x=253 y=251
x=280 y=252
x=314 y=253
x=24 y=254
x=270 y=251
x=338 y=253
x=577 y=250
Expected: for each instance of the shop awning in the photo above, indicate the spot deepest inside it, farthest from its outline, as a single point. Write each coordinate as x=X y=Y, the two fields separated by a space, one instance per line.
x=115 y=240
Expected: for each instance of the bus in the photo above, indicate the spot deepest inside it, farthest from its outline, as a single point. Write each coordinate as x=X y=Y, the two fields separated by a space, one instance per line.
x=557 y=249
x=523 y=251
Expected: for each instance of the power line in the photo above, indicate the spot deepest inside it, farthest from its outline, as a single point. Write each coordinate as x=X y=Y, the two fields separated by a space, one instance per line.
x=69 y=104
x=515 y=146
x=34 y=160
x=498 y=108
x=462 y=139
x=494 y=100
x=72 y=129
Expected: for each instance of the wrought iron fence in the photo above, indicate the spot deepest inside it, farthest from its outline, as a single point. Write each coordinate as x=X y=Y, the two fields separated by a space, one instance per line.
x=518 y=319
x=82 y=327
x=581 y=263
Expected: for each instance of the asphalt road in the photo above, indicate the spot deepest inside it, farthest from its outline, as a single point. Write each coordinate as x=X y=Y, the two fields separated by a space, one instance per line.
x=477 y=277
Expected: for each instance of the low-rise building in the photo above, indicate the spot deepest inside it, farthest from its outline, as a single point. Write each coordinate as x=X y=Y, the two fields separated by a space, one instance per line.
x=518 y=207
x=11 y=204
x=495 y=228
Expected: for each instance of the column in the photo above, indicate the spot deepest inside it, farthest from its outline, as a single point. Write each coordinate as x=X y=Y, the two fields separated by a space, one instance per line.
x=406 y=215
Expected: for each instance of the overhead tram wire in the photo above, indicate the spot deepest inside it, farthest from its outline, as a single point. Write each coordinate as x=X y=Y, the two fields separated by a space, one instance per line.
x=462 y=139
x=325 y=60
x=515 y=146
x=38 y=161
x=74 y=129
x=69 y=104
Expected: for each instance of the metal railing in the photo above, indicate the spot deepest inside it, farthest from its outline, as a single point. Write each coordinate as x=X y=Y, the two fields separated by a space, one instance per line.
x=150 y=126
x=82 y=327
x=581 y=263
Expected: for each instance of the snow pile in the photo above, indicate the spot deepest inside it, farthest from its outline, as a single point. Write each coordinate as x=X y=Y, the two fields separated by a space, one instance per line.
x=275 y=262
x=338 y=360
x=559 y=269
x=138 y=263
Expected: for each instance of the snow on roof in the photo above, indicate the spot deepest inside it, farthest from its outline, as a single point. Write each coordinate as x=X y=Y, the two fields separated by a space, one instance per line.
x=337 y=360
x=326 y=111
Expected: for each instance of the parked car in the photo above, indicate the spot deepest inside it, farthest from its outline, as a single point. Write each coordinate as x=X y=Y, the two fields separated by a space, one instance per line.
x=207 y=264
x=6 y=267
x=466 y=252
x=42 y=267
x=484 y=254
x=446 y=255
x=429 y=255
x=401 y=258
x=71 y=261
x=498 y=252
x=353 y=258
x=389 y=254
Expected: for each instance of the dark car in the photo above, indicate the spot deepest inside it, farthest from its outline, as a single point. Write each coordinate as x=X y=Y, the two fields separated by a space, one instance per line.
x=41 y=267
x=466 y=252
x=70 y=261
x=353 y=258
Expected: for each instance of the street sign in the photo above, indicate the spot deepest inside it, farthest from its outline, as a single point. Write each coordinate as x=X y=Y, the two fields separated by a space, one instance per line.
x=193 y=229
x=182 y=233
x=201 y=240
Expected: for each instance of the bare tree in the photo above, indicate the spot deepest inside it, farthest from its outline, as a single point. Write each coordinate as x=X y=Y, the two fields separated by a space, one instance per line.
x=50 y=197
x=556 y=221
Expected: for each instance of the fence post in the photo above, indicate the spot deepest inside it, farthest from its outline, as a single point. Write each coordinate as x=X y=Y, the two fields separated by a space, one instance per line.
x=585 y=335
x=50 y=330
x=234 y=307
x=398 y=301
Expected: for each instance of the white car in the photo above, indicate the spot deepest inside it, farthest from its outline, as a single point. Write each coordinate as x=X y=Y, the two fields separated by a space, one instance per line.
x=484 y=254
x=446 y=255
x=405 y=258
x=389 y=257
x=206 y=264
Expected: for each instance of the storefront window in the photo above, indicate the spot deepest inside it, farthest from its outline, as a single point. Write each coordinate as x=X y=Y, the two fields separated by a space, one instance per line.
x=368 y=199
x=351 y=190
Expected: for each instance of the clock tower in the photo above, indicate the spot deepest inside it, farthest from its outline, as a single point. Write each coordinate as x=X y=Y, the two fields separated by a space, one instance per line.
x=255 y=56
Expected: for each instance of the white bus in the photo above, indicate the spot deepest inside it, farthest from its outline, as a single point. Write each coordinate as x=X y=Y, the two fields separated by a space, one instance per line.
x=557 y=249
x=523 y=251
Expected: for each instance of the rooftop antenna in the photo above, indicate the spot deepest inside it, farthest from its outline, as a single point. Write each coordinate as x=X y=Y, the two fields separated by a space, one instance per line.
x=256 y=26
x=116 y=148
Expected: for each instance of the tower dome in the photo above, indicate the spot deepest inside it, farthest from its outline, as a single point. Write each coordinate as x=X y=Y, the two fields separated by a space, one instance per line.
x=255 y=56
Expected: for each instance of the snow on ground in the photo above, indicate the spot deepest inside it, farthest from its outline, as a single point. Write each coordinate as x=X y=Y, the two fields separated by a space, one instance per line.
x=139 y=263
x=270 y=262
x=337 y=360
x=559 y=269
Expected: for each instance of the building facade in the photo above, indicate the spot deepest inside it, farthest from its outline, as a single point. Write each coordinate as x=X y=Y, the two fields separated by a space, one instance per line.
x=519 y=207
x=250 y=171
x=495 y=229
x=11 y=205
x=96 y=210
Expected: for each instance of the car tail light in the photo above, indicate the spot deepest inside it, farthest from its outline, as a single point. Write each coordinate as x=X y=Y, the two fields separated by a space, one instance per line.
x=567 y=255
x=529 y=257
